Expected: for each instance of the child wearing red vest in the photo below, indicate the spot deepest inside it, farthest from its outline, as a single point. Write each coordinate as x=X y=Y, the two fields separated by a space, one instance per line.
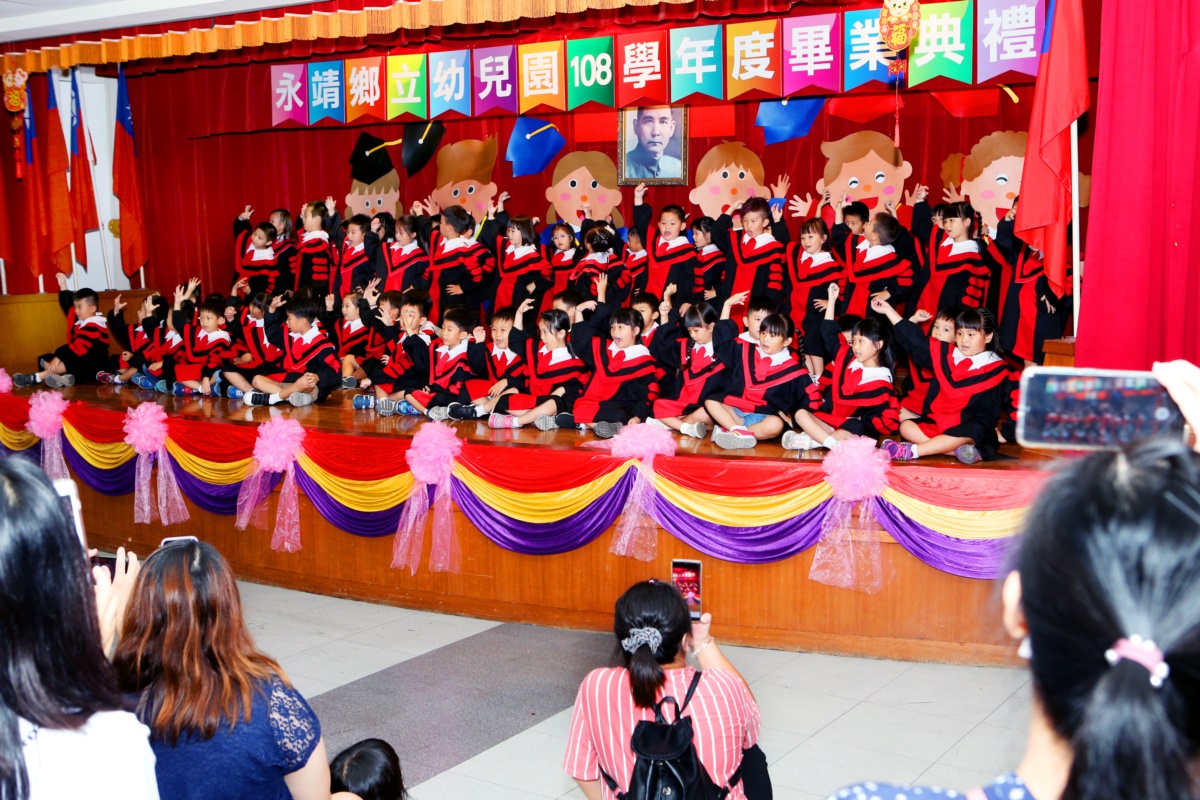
x=308 y=371
x=197 y=365
x=136 y=341
x=670 y=257
x=459 y=266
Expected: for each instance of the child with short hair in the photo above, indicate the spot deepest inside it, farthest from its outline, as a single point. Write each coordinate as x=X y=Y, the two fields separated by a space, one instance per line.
x=763 y=381
x=501 y=366
x=137 y=341
x=811 y=267
x=519 y=263
x=971 y=394
x=459 y=266
x=197 y=365
x=405 y=260
x=635 y=257
x=86 y=352
x=257 y=260
x=389 y=369
x=555 y=375
x=445 y=364
x=1031 y=312
x=314 y=254
x=355 y=259
x=759 y=258
x=877 y=269
x=757 y=309
x=566 y=301
x=670 y=257
x=860 y=400
x=309 y=368
x=253 y=353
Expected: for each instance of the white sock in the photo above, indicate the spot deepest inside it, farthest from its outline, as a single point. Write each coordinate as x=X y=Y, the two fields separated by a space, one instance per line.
x=37 y=377
x=516 y=421
x=274 y=398
x=913 y=449
x=830 y=443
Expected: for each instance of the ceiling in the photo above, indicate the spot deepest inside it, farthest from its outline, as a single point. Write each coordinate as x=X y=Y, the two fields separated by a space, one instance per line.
x=35 y=19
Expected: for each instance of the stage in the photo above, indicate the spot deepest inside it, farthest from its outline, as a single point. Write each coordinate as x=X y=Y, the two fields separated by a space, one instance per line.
x=534 y=513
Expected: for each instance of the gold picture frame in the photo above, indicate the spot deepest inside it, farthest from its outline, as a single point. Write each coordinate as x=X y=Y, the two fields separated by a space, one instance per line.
x=643 y=156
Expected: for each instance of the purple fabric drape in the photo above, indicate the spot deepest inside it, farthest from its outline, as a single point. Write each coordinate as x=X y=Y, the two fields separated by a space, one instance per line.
x=358 y=523
x=544 y=538
x=757 y=545
x=211 y=497
x=31 y=452
x=967 y=558
x=112 y=482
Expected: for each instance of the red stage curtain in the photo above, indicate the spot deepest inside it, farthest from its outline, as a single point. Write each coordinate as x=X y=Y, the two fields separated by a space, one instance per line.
x=1144 y=190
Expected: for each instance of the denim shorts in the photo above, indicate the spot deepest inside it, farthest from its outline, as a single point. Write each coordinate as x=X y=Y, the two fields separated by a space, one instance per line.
x=747 y=418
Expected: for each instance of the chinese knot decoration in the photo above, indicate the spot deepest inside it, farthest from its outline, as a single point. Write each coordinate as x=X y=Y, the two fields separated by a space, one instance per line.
x=899 y=22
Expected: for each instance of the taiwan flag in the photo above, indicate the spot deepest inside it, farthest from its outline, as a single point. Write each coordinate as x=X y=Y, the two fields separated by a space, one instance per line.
x=83 y=196
x=1060 y=97
x=126 y=188
x=58 y=196
x=35 y=195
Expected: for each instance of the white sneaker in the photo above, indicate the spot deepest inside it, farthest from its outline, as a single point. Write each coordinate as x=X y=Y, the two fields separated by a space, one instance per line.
x=734 y=440
x=696 y=430
x=798 y=440
x=654 y=423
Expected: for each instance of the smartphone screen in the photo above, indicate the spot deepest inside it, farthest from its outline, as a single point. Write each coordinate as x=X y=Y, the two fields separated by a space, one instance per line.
x=1082 y=409
x=685 y=576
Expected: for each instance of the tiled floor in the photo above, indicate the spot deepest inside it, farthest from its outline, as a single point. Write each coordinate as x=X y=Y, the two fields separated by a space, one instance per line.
x=827 y=721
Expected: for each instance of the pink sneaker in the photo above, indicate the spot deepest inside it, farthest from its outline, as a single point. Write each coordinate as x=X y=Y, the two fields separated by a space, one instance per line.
x=898 y=451
x=501 y=420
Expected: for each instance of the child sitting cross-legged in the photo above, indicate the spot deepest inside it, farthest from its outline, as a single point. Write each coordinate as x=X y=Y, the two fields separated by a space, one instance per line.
x=137 y=341
x=446 y=366
x=254 y=354
x=205 y=347
x=309 y=368
x=86 y=351
x=500 y=363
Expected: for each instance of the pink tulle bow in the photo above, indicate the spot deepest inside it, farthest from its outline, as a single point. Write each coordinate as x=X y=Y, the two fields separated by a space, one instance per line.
x=637 y=532
x=848 y=555
x=46 y=422
x=431 y=460
x=280 y=442
x=6 y=383
x=146 y=432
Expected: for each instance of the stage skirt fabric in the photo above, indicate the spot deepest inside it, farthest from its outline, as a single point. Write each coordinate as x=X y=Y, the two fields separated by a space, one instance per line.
x=554 y=501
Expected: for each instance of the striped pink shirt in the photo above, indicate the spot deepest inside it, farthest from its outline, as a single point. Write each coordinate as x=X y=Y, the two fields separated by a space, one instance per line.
x=725 y=721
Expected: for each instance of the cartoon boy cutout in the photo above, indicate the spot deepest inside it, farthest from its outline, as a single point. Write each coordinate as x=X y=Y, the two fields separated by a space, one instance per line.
x=464 y=176
x=865 y=166
x=584 y=185
x=990 y=176
x=374 y=182
x=729 y=174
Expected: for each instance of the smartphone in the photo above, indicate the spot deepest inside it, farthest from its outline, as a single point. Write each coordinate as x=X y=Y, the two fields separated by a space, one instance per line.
x=69 y=492
x=685 y=576
x=1093 y=409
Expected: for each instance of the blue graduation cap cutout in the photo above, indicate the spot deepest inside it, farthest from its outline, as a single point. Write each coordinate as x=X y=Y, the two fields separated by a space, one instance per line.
x=533 y=145
x=782 y=120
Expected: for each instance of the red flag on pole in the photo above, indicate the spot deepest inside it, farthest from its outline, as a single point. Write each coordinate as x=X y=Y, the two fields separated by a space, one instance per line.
x=126 y=187
x=83 y=196
x=58 y=207
x=1060 y=97
x=35 y=194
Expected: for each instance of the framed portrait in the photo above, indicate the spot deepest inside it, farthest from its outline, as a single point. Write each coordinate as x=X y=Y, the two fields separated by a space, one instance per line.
x=652 y=146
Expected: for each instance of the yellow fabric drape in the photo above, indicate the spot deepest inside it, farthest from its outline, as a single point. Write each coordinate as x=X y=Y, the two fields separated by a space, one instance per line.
x=363 y=496
x=748 y=512
x=218 y=472
x=957 y=523
x=102 y=455
x=540 y=506
x=17 y=440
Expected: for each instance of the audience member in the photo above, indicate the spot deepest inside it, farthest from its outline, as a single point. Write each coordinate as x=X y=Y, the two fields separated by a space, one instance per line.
x=655 y=634
x=225 y=721
x=370 y=769
x=64 y=728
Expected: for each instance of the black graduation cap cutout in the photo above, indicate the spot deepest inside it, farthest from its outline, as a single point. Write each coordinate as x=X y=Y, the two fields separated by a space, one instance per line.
x=420 y=141
x=370 y=160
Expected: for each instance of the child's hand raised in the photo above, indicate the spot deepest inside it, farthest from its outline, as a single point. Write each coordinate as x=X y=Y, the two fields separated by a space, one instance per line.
x=833 y=292
x=245 y=215
x=501 y=200
x=800 y=206
x=277 y=301
x=329 y=302
x=670 y=290
x=920 y=316
x=371 y=293
x=880 y=304
x=846 y=201
x=639 y=192
x=587 y=305
x=479 y=334
x=777 y=212
x=330 y=204
x=230 y=313
x=780 y=188
x=917 y=195
x=431 y=206
x=118 y=305
x=738 y=299
x=884 y=295
x=62 y=281
x=890 y=207
x=826 y=199
x=417 y=209
x=820 y=305
x=601 y=286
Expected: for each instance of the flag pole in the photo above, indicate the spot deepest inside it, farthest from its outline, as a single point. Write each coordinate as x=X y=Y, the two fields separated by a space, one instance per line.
x=1076 y=264
x=3 y=277
x=89 y=155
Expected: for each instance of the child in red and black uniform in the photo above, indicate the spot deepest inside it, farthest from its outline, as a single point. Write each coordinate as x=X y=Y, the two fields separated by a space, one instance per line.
x=916 y=383
x=712 y=262
x=635 y=257
x=693 y=356
x=389 y=368
x=86 y=352
x=860 y=400
x=501 y=368
x=562 y=254
x=314 y=253
x=759 y=253
x=811 y=268
x=137 y=341
x=355 y=257
x=601 y=264
x=446 y=366
x=459 y=266
x=285 y=245
x=349 y=333
x=522 y=271
x=309 y=367
x=253 y=353
x=1031 y=312
x=876 y=268
x=197 y=365
x=257 y=258
x=555 y=374
x=405 y=261
x=670 y=257
x=762 y=382
x=971 y=394
x=960 y=262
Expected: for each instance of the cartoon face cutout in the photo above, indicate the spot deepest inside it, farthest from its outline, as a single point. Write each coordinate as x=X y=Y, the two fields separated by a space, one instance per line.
x=869 y=179
x=372 y=203
x=474 y=196
x=725 y=187
x=993 y=191
x=898 y=7
x=578 y=189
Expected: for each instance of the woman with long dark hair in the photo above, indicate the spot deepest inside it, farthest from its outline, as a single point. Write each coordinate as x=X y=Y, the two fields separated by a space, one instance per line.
x=655 y=634
x=225 y=721
x=64 y=730
x=1105 y=600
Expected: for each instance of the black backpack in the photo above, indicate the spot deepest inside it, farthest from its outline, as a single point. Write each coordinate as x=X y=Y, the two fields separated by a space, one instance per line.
x=667 y=766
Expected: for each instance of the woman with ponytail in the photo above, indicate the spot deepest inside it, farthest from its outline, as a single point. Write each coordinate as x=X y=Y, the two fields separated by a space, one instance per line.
x=1105 y=601
x=655 y=635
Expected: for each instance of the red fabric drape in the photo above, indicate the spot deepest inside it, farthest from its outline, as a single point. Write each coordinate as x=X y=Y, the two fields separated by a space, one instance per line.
x=1146 y=180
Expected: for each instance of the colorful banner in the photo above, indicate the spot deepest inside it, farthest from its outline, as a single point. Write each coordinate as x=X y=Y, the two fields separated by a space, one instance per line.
x=1009 y=37
x=812 y=53
x=752 y=53
x=697 y=62
x=289 y=93
x=326 y=95
x=590 y=72
x=364 y=89
x=945 y=44
x=495 y=78
x=542 y=82
x=450 y=83
x=406 y=92
x=642 y=69
x=866 y=57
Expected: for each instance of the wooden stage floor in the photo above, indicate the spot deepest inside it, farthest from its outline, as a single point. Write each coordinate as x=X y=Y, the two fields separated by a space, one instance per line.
x=921 y=614
x=337 y=415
